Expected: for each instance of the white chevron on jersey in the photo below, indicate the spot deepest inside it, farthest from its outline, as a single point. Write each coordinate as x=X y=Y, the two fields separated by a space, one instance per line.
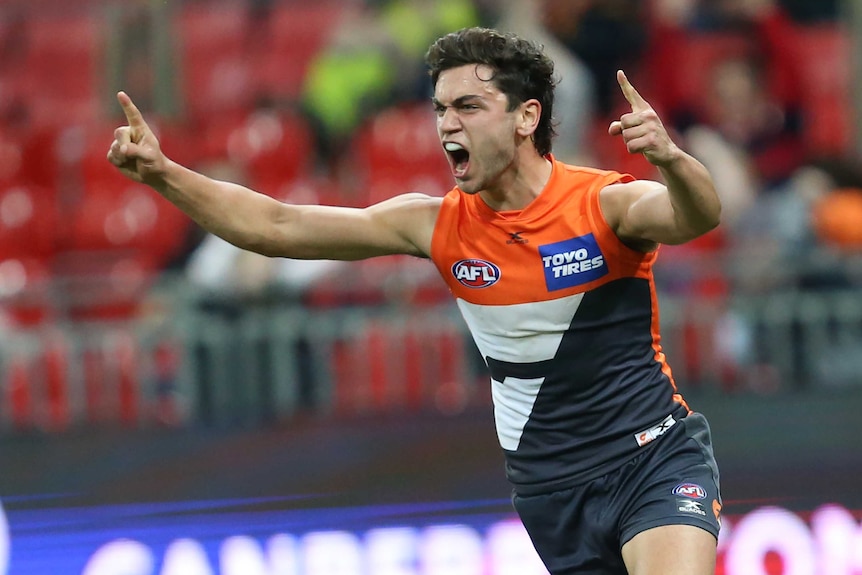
x=513 y=404
x=518 y=333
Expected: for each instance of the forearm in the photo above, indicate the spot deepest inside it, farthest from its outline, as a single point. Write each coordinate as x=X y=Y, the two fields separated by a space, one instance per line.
x=692 y=194
x=237 y=214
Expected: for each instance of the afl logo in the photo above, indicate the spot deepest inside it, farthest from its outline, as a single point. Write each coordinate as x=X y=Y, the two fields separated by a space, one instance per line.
x=476 y=273
x=690 y=490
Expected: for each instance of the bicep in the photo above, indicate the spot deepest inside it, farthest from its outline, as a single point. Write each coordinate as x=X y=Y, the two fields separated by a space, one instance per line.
x=400 y=225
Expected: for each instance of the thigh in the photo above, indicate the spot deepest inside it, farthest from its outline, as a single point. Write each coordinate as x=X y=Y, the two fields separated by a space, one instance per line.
x=671 y=550
x=573 y=530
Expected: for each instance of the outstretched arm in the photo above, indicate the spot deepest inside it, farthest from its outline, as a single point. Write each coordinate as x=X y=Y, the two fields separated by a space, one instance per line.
x=259 y=223
x=647 y=213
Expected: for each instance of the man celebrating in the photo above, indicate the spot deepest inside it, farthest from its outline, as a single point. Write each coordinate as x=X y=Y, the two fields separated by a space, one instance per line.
x=551 y=267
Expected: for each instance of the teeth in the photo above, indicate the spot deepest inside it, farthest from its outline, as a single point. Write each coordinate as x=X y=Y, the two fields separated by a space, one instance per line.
x=453 y=147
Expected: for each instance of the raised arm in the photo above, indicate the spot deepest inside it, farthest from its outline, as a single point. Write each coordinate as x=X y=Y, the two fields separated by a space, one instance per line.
x=259 y=223
x=646 y=213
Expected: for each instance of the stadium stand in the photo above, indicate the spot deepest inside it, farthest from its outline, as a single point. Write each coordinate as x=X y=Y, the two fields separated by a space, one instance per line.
x=85 y=254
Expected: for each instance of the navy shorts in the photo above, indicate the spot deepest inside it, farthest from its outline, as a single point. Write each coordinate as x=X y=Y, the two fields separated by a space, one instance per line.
x=672 y=481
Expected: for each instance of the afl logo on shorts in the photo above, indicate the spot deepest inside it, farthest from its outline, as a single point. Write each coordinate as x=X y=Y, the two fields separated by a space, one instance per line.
x=476 y=273
x=690 y=490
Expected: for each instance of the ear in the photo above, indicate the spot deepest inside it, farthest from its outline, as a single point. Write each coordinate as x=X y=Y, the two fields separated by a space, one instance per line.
x=531 y=113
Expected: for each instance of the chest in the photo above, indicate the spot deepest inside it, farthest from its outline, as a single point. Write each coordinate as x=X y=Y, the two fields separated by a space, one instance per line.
x=521 y=261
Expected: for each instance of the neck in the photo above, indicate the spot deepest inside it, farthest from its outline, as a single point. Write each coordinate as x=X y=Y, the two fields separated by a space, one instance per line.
x=519 y=185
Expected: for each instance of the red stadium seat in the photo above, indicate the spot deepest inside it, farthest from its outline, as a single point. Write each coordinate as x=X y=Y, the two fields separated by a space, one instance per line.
x=29 y=221
x=211 y=46
x=115 y=234
x=273 y=148
x=824 y=56
x=106 y=211
x=126 y=217
x=297 y=31
x=64 y=63
x=399 y=151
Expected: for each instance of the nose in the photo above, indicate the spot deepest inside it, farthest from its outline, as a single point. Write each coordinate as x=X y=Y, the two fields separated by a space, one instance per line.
x=448 y=121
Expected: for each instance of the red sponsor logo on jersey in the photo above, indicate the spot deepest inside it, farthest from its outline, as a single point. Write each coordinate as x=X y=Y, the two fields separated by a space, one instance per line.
x=691 y=490
x=648 y=435
x=475 y=273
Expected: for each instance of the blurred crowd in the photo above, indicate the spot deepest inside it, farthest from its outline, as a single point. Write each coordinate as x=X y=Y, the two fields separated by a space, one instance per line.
x=327 y=102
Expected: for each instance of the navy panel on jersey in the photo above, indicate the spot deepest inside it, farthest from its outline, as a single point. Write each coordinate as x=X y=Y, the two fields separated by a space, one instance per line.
x=603 y=382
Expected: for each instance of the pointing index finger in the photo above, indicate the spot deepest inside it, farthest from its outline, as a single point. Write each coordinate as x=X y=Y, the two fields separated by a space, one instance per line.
x=636 y=101
x=133 y=115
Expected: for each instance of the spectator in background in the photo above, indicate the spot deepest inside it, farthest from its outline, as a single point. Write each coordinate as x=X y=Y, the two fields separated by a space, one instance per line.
x=606 y=35
x=749 y=97
x=348 y=80
x=836 y=215
x=806 y=238
x=413 y=25
x=721 y=13
x=743 y=135
x=799 y=238
x=725 y=81
x=736 y=103
x=374 y=61
x=575 y=105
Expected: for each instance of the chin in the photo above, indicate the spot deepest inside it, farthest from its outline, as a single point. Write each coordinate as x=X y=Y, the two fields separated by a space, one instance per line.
x=467 y=187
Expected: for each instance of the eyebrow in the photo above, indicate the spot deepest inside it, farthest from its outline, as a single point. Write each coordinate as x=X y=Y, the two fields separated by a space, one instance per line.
x=457 y=101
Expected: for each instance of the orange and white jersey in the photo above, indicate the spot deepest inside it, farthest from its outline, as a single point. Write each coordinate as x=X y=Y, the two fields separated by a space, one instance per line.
x=566 y=318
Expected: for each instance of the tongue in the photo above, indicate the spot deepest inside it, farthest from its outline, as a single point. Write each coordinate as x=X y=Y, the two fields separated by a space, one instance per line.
x=460 y=169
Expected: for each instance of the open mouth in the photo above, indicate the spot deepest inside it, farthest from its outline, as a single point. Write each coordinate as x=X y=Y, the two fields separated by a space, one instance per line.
x=459 y=158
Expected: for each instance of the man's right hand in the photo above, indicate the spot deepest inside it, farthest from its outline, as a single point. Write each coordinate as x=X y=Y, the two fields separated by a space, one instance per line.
x=135 y=150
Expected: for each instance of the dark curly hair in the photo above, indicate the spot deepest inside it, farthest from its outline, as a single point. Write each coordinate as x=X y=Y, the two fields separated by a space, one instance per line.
x=521 y=70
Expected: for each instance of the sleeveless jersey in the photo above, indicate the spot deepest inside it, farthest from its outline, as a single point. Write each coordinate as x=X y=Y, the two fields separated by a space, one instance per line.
x=566 y=318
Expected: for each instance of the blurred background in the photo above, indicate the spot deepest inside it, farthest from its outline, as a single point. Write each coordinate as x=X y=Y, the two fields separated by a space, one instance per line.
x=170 y=405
